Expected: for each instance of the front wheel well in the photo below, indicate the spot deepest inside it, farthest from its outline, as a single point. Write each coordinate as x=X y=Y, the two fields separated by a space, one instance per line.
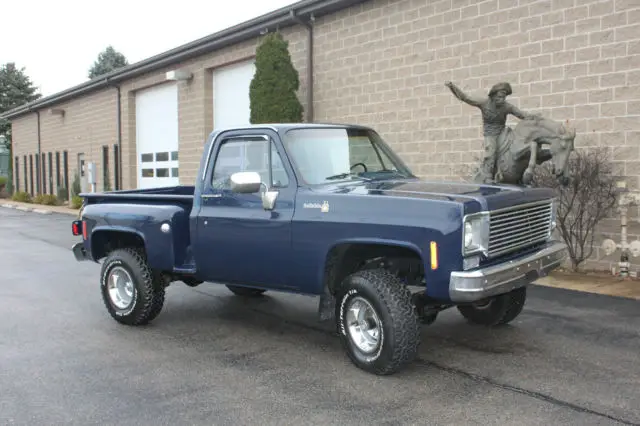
x=104 y=242
x=345 y=259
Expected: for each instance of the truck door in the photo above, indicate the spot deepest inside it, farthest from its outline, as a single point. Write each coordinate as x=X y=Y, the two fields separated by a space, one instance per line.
x=237 y=241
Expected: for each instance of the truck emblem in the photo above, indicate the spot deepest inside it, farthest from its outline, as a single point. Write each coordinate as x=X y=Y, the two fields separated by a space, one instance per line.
x=324 y=207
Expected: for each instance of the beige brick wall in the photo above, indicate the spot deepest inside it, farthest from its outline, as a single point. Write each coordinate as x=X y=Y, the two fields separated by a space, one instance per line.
x=25 y=142
x=88 y=123
x=384 y=63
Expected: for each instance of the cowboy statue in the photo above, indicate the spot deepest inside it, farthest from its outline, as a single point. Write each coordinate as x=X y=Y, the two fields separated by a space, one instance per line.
x=494 y=109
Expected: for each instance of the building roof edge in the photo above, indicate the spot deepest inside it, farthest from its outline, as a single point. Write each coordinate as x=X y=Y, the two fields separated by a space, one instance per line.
x=280 y=18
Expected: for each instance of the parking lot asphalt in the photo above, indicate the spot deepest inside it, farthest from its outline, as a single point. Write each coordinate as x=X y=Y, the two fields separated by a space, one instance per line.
x=213 y=358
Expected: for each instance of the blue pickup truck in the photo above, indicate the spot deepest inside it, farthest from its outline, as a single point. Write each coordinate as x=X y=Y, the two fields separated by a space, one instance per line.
x=329 y=211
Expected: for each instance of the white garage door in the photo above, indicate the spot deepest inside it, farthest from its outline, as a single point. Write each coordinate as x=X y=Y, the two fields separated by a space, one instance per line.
x=231 y=105
x=157 y=136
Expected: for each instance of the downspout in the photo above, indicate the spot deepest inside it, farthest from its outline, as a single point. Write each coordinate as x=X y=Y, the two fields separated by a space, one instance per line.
x=39 y=171
x=118 y=166
x=309 y=26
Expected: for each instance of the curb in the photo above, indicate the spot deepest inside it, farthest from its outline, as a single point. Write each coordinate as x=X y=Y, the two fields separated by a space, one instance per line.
x=42 y=211
x=26 y=209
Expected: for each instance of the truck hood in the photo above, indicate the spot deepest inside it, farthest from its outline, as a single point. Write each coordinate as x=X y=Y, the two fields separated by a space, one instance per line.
x=475 y=197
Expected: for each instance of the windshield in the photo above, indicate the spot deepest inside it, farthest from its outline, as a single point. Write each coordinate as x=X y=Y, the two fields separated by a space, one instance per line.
x=323 y=155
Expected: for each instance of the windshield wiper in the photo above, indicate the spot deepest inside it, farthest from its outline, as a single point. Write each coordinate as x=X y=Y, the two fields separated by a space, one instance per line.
x=345 y=175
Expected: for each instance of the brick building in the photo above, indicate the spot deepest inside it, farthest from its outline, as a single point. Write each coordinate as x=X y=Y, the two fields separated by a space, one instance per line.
x=376 y=62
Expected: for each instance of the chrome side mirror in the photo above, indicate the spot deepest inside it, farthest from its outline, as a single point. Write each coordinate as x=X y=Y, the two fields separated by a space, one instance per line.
x=245 y=182
x=250 y=183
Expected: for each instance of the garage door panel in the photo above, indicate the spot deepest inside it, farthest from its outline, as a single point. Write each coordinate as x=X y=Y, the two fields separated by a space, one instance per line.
x=231 y=104
x=157 y=136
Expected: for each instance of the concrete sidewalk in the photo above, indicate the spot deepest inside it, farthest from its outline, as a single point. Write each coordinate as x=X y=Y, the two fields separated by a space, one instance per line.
x=38 y=208
x=597 y=283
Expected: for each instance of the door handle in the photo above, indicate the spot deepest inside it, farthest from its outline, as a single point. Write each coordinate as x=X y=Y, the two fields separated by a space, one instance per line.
x=211 y=196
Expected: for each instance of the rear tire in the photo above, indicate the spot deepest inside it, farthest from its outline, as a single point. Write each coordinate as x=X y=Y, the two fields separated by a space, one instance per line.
x=377 y=323
x=131 y=292
x=246 y=291
x=499 y=310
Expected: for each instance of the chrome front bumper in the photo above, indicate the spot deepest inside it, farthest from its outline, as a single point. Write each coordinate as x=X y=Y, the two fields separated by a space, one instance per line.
x=79 y=252
x=471 y=286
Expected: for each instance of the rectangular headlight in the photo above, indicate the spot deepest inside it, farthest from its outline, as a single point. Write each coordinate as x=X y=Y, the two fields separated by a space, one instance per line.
x=475 y=234
x=554 y=215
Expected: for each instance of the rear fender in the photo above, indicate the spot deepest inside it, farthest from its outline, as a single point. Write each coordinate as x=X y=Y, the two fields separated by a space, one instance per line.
x=105 y=238
x=161 y=230
x=160 y=254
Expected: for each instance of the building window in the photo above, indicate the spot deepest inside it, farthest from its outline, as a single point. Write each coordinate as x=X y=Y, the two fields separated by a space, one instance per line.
x=31 y=171
x=116 y=168
x=44 y=173
x=17 y=169
x=65 y=161
x=106 y=185
x=58 y=177
x=50 y=173
x=26 y=177
x=37 y=173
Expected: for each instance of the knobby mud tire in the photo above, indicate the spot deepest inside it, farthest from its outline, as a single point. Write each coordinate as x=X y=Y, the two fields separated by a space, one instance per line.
x=400 y=331
x=149 y=294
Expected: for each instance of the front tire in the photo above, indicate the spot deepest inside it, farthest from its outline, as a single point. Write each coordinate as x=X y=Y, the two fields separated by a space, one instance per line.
x=499 y=310
x=132 y=294
x=377 y=323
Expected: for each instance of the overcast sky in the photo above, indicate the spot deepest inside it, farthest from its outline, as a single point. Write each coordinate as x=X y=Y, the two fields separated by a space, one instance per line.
x=58 y=41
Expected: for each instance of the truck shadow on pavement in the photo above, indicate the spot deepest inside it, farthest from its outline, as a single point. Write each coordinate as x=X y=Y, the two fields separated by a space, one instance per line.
x=270 y=316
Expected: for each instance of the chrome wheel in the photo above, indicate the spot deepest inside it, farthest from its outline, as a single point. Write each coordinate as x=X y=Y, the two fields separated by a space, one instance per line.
x=363 y=324
x=120 y=287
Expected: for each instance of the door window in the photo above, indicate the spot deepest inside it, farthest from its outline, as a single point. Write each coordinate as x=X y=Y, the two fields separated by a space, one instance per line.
x=248 y=155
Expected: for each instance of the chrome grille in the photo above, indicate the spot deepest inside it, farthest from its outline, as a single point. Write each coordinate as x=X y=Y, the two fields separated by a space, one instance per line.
x=517 y=227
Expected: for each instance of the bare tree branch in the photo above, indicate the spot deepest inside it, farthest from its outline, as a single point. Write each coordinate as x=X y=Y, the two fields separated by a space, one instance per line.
x=590 y=198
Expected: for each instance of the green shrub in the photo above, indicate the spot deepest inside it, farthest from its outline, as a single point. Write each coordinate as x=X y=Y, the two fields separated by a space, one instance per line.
x=21 y=197
x=76 y=202
x=46 y=199
x=75 y=185
x=272 y=91
x=3 y=181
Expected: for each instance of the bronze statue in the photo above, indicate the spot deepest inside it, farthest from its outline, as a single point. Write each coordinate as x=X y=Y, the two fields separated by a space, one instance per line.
x=510 y=155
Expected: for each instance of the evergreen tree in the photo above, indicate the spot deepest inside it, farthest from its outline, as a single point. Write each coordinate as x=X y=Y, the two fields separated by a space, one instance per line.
x=108 y=60
x=273 y=88
x=16 y=89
